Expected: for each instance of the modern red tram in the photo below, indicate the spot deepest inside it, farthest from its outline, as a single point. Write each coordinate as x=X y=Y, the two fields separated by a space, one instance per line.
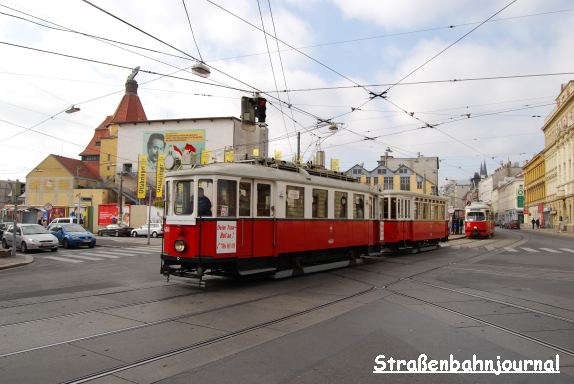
x=244 y=219
x=479 y=220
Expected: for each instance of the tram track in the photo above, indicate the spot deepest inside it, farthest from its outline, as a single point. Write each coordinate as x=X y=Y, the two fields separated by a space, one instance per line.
x=522 y=335
x=213 y=340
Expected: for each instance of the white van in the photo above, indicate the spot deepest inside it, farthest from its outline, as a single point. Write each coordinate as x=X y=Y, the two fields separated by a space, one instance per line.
x=66 y=220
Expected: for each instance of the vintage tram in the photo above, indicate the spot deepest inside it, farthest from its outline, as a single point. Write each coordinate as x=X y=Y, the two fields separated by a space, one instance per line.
x=478 y=220
x=276 y=218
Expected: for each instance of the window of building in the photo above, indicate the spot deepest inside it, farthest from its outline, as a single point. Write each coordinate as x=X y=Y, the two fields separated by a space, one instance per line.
x=405 y=183
x=381 y=171
x=97 y=143
x=295 y=202
x=419 y=182
x=388 y=182
x=263 y=199
x=244 y=198
x=319 y=206
x=127 y=167
x=403 y=170
x=226 y=198
x=340 y=205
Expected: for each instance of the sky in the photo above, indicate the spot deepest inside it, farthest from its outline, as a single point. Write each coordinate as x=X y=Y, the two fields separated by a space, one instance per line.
x=321 y=60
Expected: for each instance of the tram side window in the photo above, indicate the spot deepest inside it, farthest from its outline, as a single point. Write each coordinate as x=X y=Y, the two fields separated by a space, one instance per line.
x=226 y=198
x=204 y=197
x=319 y=206
x=386 y=215
x=372 y=208
x=183 y=202
x=263 y=199
x=167 y=194
x=244 y=199
x=407 y=209
x=394 y=207
x=358 y=206
x=295 y=202
x=340 y=205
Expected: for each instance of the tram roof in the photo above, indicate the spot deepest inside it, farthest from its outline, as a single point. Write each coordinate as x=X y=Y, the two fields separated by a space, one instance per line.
x=263 y=172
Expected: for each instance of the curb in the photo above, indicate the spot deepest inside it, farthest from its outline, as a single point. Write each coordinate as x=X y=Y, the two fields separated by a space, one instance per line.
x=6 y=263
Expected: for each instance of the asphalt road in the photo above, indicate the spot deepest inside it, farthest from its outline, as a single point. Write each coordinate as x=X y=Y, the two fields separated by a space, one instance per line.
x=107 y=311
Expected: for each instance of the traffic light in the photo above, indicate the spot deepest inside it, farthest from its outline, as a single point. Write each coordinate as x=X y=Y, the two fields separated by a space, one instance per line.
x=248 y=110
x=260 y=109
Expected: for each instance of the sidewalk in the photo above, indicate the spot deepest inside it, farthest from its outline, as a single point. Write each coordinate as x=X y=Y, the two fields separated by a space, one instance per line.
x=15 y=261
x=546 y=231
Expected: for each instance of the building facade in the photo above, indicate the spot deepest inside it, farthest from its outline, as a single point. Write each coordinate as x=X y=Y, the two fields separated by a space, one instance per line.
x=402 y=178
x=558 y=154
x=535 y=191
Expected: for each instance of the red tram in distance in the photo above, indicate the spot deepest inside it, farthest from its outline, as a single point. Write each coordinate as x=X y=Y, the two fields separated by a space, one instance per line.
x=279 y=219
x=479 y=220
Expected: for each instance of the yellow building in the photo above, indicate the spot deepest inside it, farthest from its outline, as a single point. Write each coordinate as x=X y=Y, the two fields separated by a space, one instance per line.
x=558 y=149
x=65 y=187
x=535 y=189
x=401 y=179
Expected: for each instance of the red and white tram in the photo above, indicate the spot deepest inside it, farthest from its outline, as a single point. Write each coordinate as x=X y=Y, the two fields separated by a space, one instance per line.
x=244 y=219
x=478 y=220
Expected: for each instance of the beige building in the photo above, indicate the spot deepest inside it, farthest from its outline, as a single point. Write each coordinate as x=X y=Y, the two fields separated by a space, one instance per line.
x=558 y=153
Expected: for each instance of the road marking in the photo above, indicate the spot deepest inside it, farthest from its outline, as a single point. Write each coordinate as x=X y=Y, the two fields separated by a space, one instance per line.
x=139 y=250
x=530 y=250
x=508 y=249
x=121 y=253
x=567 y=250
x=490 y=247
x=84 y=257
x=62 y=259
x=550 y=250
x=102 y=255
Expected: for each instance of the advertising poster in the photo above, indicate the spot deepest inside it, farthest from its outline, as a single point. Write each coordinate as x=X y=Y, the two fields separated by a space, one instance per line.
x=160 y=175
x=108 y=214
x=142 y=173
x=173 y=144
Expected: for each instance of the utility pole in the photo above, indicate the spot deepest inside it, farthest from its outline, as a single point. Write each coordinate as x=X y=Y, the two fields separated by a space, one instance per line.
x=15 y=192
x=298 y=147
x=120 y=196
x=149 y=216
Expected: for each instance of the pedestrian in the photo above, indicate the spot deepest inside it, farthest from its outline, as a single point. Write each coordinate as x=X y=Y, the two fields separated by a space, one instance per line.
x=560 y=223
x=533 y=221
x=537 y=223
x=456 y=223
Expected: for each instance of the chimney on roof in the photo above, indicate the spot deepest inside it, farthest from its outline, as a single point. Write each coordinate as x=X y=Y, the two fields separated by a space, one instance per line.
x=131 y=84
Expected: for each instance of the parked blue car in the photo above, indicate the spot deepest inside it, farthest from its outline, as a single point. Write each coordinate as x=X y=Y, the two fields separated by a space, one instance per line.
x=72 y=235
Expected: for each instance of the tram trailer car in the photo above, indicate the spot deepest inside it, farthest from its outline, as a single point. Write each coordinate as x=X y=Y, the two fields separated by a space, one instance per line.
x=412 y=221
x=263 y=219
x=479 y=220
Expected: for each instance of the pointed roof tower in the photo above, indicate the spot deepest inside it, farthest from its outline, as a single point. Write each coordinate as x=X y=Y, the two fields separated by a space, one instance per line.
x=483 y=173
x=130 y=107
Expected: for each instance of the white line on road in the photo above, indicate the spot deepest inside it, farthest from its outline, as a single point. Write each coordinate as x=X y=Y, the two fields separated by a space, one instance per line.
x=120 y=253
x=102 y=255
x=550 y=250
x=530 y=250
x=508 y=249
x=84 y=257
x=62 y=259
x=490 y=247
x=567 y=250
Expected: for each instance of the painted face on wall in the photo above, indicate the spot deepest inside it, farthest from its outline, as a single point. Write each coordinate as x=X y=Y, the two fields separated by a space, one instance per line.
x=155 y=147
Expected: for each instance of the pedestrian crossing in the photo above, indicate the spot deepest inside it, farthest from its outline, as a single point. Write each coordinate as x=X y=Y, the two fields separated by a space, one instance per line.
x=77 y=256
x=494 y=247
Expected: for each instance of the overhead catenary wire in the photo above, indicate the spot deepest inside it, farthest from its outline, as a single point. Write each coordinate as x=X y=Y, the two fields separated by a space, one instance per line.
x=273 y=73
x=191 y=28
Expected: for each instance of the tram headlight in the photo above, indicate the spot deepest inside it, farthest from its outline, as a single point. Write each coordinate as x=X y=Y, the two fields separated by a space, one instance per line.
x=179 y=246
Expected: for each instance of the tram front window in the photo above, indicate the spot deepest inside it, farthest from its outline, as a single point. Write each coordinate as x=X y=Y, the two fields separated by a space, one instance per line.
x=475 y=216
x=183 y=202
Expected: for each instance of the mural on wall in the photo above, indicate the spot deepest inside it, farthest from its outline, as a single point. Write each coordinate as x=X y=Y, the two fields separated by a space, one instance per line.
x=175 y=145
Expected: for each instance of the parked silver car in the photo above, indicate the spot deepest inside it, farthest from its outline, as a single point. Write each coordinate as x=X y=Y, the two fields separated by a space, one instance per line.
x=155 y=230
x=30 y=236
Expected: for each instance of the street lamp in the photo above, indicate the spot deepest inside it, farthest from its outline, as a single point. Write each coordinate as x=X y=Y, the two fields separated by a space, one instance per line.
x=72 y=109
x=200 y=69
